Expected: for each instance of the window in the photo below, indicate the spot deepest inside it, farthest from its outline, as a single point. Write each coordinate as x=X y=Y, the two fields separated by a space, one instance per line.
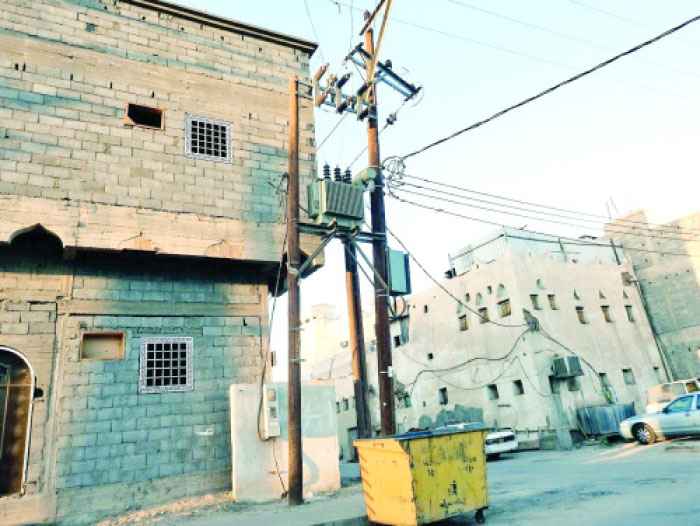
x=518 y=388
x=682 y=405
x=535 y=299
x=628 y=376
x=502 y=291
x=552 y=301
x=479 y=299
x=606 y=313
x=484 y=314
x=573 y=384
x=397 y=341
x=143 y=116
x=337 y=407
x=504 y=308
x=346 y=404
x=166 y=365
x=489 y=289
x=603 y=379
x=430 y=356
x=425 y=309
x=107 y=345
x=554 y=385
x=442 y=394
x=630 y=313
x=463 y=324
x=539 y=284
x=207 y=139
x=492 y=391
x=407 y=401
x=581 y=315
x=467 y=297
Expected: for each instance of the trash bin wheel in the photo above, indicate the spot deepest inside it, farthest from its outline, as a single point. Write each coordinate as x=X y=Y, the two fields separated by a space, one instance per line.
x=480 y=519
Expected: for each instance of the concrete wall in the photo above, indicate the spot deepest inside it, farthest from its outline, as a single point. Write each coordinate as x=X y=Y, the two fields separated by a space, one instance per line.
x=260 y=468
x=94 y=436
x=664 y=258
x=608 y=347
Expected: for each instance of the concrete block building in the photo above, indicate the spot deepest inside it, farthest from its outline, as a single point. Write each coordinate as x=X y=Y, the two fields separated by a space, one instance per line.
x=666 y=261
x=142 y=145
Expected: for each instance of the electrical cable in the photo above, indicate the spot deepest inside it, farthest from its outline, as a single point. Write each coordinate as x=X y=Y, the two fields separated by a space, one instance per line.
x=610 y=229
x=313 y=28
x=671 y=229
x=569 y=242
x=337 y=124
x=525 y=55
x=566 y=36
x=552 y=88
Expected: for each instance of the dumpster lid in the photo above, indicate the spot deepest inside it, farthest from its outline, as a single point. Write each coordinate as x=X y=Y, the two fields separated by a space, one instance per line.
x=443 y=430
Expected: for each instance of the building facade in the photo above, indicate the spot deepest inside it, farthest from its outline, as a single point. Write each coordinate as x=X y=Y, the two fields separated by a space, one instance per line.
x=142 y=145
x=526 y=300
x=666 y=261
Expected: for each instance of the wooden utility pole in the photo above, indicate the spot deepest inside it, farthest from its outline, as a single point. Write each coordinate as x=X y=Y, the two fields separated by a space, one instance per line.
x=379 y=253
x=357 y=343
x=294 y=494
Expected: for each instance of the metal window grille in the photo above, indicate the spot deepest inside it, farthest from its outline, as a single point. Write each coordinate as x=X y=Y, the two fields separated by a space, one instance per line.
x=207 y=139
x=166 y=365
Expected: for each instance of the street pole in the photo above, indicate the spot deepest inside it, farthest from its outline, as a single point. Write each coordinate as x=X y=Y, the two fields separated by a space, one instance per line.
x=294 y=495
x=379 y=253
x=357 y=343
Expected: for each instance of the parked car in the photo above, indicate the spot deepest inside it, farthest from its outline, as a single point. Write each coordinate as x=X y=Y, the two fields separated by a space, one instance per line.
x=660 y=395
x=497 y=441
x=679 y=418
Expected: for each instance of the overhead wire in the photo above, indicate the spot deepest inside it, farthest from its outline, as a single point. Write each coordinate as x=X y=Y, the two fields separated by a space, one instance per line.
x=568 y=241
x=611 y=229
x=551 y=89
x=313 y=28
x=672 y=229
x=567 y=36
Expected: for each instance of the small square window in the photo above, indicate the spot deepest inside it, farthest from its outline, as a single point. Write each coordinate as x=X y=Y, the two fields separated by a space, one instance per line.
x=397 y=341
x=483 y=315
x=581 y=313
x=166 y=365
x=518 y=387
x=535 y=299
x=467 y=297
x=606 y=313
x=463 y=323
x=628 y=376
x=442 y=393
x=492 y=391
x=207 y=139
x=573 y=384
x=430 y=356
x=630 y=313
x=504 y=308
x=102 y=345
x=425 y=309
x=552 y=301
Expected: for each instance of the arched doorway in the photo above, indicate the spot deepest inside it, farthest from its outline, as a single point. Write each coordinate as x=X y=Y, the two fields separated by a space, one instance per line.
x=17 y=383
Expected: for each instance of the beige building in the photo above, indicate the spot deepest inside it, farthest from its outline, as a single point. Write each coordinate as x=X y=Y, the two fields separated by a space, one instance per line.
x=141 y=146
x=666 y=262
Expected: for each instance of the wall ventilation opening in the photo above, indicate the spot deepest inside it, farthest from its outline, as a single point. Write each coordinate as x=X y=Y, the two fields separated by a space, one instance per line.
x=442 y=393
x=492 y=390
x=103 y=345
x=144 y=116
x=518 y=387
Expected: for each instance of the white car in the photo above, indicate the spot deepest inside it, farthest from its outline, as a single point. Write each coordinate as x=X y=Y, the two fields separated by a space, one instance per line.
x=679 y=418
x=497 y=442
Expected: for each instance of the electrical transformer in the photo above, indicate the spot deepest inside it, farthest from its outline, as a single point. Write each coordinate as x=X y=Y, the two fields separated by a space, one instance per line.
x=336 y=203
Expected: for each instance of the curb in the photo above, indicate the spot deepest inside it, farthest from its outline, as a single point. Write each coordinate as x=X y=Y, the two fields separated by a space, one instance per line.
x=354 y=521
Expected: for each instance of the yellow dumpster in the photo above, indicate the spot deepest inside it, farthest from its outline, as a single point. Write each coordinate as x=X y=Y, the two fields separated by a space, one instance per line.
x=425 y=476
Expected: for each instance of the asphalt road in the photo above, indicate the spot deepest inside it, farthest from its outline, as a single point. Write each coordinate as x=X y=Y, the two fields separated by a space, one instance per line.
x=621 y=485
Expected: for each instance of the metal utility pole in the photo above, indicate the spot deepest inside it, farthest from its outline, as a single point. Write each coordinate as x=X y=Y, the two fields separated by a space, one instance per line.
x=294 y=495
x=379 y=253
x=357 y=343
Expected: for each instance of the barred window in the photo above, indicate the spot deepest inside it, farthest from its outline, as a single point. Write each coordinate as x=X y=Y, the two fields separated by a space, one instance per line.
x=207 y=139
x=166 y=365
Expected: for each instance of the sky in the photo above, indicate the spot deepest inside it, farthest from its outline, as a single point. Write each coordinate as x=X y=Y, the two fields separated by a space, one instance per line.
x=626 y=135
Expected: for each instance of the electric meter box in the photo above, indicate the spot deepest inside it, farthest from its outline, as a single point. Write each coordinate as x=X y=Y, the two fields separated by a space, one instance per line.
x=271 y=414
x=399 y=273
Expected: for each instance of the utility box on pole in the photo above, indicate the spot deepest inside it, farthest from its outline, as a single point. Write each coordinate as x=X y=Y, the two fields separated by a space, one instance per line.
x=336 y=203
x=399 y=273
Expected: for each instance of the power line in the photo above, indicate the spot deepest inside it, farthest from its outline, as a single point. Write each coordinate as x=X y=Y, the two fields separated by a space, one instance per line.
x=627 y=20
x=568 y=37
x=313 y=28
x=553 y=88
x=526 y=55
x=337 y=124
x=610 y=230
x=568 y=241
x=644 y=224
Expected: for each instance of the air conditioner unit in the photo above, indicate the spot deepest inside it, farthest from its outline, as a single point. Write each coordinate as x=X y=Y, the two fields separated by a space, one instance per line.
x=567 y=367
x=335 y=203
x=271 y=422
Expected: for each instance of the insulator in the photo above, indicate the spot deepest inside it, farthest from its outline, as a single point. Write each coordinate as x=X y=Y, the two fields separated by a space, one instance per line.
x=326 y=171
x=348 y=176
x=337 y=174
